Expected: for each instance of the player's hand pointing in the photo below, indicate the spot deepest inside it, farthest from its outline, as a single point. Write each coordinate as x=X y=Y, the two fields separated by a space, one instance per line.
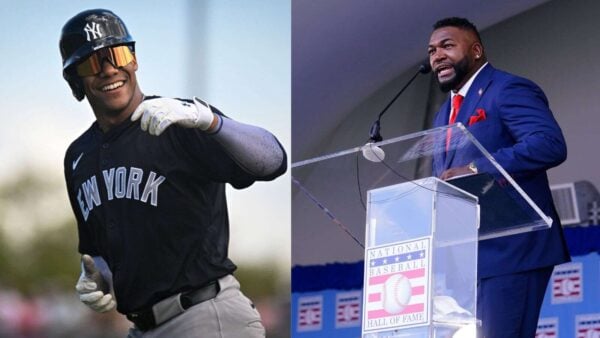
x=158 y=114
x=92 y=288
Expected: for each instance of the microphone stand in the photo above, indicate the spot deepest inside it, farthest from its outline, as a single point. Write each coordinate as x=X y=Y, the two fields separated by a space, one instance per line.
x=374 y=132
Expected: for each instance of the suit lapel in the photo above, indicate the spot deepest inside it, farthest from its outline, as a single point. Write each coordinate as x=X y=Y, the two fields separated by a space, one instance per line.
x=478 y=88
x=476 y=91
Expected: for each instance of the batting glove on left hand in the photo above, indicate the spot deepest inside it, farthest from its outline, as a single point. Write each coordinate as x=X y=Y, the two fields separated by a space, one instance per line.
x=158 y=114
x=93 y=290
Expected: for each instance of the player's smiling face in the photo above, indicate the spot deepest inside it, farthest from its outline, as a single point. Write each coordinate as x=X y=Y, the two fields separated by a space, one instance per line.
x=113 y=92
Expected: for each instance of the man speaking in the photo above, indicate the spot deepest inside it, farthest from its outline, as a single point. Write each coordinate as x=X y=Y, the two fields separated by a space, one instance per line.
x=514 y=124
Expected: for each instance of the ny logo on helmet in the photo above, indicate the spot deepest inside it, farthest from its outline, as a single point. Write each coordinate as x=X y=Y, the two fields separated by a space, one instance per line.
x=94 y=30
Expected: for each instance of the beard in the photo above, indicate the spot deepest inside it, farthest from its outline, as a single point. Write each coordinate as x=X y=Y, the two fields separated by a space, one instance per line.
x=461 y=69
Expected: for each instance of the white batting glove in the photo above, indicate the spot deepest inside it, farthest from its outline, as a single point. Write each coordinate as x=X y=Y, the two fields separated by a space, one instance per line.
x=93 y=290
x=158 y=114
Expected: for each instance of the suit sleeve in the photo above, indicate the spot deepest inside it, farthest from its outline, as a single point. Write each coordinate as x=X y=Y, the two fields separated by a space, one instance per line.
x=537 y=143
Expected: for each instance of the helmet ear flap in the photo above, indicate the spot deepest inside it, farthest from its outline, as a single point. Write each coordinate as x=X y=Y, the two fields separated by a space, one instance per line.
x=85 y=33
x=76 y=85
x=77 y=88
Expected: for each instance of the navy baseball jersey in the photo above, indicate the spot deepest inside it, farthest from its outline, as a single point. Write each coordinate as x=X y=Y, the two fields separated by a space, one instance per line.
x=153 y=207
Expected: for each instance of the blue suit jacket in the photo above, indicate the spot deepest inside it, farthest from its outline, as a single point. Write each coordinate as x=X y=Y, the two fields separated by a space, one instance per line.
x=522 y=135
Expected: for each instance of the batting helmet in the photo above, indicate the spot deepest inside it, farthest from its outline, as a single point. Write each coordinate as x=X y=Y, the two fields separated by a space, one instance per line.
x=85 y=33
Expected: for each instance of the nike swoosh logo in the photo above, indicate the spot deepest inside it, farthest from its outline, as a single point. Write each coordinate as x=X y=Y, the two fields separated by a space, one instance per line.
x=77 y=161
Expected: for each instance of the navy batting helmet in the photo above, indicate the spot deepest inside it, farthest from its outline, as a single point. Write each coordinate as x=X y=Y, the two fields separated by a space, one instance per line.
x=85 y=33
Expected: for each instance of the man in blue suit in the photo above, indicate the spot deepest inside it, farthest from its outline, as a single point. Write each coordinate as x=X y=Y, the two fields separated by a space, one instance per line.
x=510 y=117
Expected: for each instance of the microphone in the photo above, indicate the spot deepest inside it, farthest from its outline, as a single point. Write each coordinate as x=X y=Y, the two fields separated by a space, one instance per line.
x=374 y=132
x=374 y=153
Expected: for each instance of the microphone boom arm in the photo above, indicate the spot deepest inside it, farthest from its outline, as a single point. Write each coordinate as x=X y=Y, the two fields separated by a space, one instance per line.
x=374 y=132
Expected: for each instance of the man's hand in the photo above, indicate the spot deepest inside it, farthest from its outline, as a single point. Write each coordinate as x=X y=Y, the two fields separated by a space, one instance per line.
x=453 y=172
x=93 y=290
x=158 y=114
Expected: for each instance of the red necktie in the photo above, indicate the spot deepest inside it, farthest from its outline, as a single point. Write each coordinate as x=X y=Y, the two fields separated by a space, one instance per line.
x=456 y=102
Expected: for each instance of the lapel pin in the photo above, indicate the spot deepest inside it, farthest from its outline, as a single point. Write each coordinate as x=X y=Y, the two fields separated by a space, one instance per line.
x=480 y=91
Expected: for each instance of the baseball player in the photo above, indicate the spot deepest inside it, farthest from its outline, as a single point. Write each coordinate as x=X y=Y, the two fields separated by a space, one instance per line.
x=147 y=185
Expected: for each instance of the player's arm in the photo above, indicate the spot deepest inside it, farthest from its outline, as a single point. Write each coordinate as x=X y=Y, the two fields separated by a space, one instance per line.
x=254 y=149
x=94 y=286
x=95 y=282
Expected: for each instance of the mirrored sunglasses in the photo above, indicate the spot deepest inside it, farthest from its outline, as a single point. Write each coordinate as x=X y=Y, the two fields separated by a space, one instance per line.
x=118 y=56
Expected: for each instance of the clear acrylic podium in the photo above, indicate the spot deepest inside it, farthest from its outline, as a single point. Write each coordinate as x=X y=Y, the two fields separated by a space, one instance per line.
x=419 y=234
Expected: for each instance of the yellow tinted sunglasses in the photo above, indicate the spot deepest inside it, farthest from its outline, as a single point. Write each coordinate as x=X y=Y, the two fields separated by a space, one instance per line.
x=118 y=56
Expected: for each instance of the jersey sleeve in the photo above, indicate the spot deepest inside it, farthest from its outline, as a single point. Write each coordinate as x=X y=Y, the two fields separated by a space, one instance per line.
x=208 y=158
x=211 y=158
x=86 y=243
x=253 y=148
